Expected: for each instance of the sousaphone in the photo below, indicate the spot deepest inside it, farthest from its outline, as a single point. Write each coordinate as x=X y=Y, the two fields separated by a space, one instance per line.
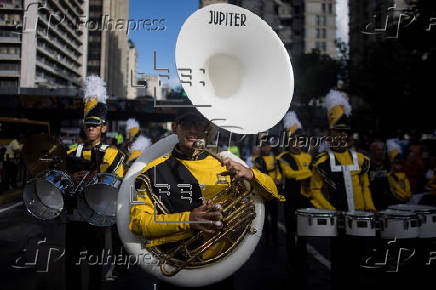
x=237 y=72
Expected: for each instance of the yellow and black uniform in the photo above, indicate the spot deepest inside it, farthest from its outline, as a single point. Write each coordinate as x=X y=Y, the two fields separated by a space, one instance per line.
x=295 y=170
x=268 y=164
x=327 y=188
x=112 y=159
x=400 y=186
x=181 y=183
x=80 y=234
x=296 y=173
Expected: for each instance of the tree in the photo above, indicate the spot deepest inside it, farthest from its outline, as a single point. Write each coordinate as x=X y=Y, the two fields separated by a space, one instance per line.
x=315 y=74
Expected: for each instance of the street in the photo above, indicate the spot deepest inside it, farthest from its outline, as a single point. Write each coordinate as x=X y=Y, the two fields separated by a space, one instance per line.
x=32 y=258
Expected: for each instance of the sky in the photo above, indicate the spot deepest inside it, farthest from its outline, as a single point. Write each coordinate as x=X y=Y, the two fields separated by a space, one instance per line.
x=172 y=14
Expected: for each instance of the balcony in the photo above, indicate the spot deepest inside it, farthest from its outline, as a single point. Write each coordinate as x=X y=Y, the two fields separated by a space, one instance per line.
x=9 y=56
x=10 y=39
x=10 y=73
x=4 y=6
x=10 y=23
x=61 y=48
x=55 y=28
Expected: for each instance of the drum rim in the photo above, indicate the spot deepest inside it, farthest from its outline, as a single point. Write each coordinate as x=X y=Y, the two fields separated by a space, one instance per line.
x=397 y=215
x=366 y=215
x=59 y=211
x=326 y=213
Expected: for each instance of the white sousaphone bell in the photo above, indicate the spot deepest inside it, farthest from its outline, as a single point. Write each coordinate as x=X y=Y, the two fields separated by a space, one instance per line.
x=242 y=80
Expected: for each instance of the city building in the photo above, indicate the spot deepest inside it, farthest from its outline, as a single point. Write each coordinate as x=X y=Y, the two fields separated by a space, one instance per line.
x=209 y=2
x=153 y=83
x=41 y=44
x=108 y=52
x=132 y=92
x=302 y=25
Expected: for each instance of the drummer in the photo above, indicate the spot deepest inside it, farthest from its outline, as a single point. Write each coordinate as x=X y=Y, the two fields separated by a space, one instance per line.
x=93 y=157
x=329 y=190
x=327 y=185
x=294 y=166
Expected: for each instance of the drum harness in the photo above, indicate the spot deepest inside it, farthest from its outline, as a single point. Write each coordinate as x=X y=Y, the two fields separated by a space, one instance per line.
x=346 y=171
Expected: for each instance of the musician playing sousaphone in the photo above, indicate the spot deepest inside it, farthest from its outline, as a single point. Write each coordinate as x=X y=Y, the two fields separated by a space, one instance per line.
x=182 y=184
x=83 y=162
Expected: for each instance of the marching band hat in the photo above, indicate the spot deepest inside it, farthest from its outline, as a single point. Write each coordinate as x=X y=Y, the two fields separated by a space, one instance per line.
x=338 y=110
x=95 y=101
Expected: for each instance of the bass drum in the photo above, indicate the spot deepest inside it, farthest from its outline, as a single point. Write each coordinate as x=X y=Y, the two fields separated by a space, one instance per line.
x=135 y=244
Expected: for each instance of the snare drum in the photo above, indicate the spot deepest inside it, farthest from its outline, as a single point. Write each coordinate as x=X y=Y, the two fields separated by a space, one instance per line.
x=97 y=203
x=398 y=224
x=315 y=222
x=427 y=216
x=360 y=223
x=43 y=195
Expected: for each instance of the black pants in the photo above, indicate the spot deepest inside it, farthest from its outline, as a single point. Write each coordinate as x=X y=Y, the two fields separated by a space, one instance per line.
x=271 y=221
x=10 y=175
x=226 y=284
x=84 y=244
x=295 y=246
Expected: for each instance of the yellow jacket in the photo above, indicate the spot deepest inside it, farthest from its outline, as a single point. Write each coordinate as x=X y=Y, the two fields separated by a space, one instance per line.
x=327 y=188
x=112 y=160
x=296 y=167
x=268 y=165
x=160 y=228
x=400 y=186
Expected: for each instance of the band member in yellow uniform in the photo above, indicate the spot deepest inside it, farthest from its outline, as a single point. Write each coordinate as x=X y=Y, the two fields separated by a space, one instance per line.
x=267 y=163
x=398 y=182
x=294 y=166
x=93 y=157
x=189 y=176
x=340 y=181
x=340 y=175
x=136 y=142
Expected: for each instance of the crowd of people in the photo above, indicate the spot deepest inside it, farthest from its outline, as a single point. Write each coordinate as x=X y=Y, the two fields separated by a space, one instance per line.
x=343 y=173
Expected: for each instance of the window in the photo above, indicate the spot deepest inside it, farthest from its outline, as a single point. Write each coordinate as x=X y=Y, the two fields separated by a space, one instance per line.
x=324 y=20
x=324 y=46
x=317 y=20
x=324 y=33
x=318 y=33
x=323 y=7
x=317 y=45
x=330 y=8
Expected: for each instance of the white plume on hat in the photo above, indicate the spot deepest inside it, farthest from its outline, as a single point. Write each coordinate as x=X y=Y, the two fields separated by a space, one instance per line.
x=131 y=123
x=140 y=144
x=391 y=145
x=94 y=87
x=291 y=119
x=336 y=98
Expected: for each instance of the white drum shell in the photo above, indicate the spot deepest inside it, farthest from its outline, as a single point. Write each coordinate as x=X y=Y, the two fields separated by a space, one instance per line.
x=398 y=225
x=354 y=222
x=427 y=216
x=313 y=222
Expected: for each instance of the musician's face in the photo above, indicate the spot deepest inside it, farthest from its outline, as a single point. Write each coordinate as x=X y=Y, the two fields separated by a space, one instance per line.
x=188 y=134
x=93 y=132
